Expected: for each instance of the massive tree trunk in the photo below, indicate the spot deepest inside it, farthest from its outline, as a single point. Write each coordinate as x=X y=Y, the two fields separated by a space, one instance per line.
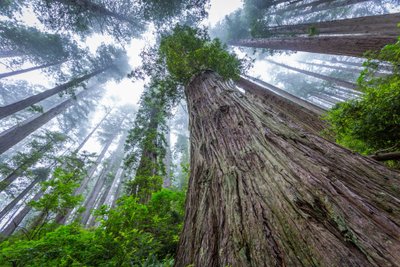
x=16 y=135
x=378 y=25
x=354 y=46
x=337 y=81
x=264 y=192
x=20 y=105
x=12 y=73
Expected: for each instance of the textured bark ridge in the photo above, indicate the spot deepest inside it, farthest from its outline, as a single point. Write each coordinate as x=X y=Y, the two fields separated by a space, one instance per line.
x=264 y=192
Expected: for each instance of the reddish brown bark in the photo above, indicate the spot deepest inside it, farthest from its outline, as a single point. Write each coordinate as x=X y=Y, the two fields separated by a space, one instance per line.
x=265 y=192
x=381 y=25
x=354 y=46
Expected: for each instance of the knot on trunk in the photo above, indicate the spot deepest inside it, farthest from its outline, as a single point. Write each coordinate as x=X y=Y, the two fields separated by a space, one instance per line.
x=224 y=109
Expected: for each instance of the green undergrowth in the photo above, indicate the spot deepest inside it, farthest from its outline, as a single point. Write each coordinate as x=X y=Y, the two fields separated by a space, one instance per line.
x=131 y=234
x=371 y=123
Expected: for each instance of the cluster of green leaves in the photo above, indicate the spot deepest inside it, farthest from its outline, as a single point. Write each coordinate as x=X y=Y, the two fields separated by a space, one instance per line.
x=372 y=123
x=189 y=51
x=131 y=234
x=59 y=190
x=122 y=19
x=58 y=195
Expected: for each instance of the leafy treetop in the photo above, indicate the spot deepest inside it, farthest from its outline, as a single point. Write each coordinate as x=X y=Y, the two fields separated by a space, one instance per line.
x=189 y=51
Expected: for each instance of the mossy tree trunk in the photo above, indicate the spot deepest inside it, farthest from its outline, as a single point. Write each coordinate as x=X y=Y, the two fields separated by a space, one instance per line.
x=265 y=192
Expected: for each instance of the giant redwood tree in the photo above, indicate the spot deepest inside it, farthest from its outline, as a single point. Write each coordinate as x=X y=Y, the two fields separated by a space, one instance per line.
x=263 y=191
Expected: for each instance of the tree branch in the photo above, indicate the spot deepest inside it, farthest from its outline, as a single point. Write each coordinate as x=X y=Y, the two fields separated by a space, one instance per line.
x=386 y=156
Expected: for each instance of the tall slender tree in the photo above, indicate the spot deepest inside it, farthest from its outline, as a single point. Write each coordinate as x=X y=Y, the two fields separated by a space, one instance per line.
x=385 y=25
x=146 y=144
x=42 y=49
x=337 y=81
x=354 y=46
x=114 y=175
x=352 y=70
x=19 y=217
x=114 y=127
x=41 y=147
x=100 y=65
x=82 y=144
x=17 y=134
x=22 y=104
x=103 y=182
x=318 y=5
x=17 y=72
